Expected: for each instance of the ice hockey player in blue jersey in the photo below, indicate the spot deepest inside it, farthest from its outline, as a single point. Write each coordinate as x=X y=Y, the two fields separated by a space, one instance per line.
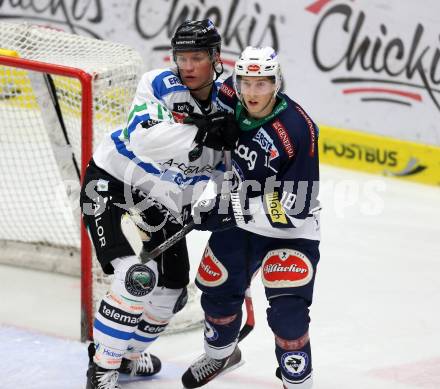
x=270 y=222
x=152 y=170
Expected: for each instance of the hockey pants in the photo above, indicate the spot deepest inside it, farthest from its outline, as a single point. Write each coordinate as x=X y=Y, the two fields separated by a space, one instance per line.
x=288 y=269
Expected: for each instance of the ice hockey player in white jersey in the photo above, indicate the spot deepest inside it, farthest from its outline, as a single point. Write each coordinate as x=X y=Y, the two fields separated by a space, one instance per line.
x=152 y=170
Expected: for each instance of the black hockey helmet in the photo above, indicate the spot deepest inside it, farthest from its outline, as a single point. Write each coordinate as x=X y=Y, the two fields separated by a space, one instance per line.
x=194 y=35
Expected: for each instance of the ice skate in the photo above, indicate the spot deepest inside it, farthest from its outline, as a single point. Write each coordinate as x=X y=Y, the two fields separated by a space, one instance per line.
x=146 y=365
x=205 y=369
x=98 y=377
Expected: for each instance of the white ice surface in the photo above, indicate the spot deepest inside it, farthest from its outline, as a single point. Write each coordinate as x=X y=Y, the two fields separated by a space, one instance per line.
x=375 y=318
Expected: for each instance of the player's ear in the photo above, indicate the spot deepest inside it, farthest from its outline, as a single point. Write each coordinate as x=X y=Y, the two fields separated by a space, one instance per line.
x=216 y=58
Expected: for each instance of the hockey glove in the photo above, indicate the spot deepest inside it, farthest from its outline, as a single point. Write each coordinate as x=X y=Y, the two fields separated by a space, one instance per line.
x=220 y=213
x=217 y=131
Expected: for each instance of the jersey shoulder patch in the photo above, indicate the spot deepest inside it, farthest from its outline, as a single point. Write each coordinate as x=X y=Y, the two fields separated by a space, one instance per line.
x=165 y=82
x=300 y=126
x=227 y=97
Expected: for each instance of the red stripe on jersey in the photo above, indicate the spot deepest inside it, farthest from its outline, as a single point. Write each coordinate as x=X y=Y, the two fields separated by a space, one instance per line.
x=311 y=127
x=284 y=138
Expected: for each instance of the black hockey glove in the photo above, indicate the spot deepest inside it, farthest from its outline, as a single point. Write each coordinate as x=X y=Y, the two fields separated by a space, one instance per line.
x=217 y=131
x=221 y=213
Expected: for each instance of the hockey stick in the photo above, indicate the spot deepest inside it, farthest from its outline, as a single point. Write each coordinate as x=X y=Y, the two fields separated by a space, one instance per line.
x=250 y=316
x=146 y=256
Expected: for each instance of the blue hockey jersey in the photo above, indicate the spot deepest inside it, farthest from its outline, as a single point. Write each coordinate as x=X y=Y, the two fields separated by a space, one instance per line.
x=276 y=159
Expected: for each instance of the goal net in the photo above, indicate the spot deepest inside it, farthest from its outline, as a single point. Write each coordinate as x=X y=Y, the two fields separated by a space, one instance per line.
x=59 y=93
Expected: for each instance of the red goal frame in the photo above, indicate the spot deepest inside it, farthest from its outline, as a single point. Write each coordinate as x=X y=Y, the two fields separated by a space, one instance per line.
x=86 y=80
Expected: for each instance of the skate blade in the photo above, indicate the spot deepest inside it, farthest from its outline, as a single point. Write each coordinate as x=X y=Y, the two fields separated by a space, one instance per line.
x=231 y=368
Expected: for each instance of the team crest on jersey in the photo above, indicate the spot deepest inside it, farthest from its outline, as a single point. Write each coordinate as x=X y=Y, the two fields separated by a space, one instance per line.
x=140 y=280
x=286 y=268
x=211 y=271
x=295 y=363
x=171 y=81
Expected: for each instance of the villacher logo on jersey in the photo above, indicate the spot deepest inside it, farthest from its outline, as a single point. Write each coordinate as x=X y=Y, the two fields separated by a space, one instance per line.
x=286 y=268
x=278 y=268
x=211 y=272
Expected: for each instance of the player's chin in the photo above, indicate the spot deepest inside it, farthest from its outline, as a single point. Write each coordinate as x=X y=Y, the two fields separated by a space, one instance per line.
x=192 y=82
x=253 y=106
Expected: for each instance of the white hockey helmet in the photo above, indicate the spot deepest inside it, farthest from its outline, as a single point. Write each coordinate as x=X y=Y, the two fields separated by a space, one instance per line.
x=257 y=62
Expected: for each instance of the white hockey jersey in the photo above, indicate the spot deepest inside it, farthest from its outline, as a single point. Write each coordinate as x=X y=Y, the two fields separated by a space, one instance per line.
x=151 y=152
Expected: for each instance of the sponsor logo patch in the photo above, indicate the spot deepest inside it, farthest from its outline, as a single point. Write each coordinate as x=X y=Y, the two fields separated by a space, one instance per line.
x=311 y=128
x=149 y=123
x=183 y=107
x=171 y=81
x=111 y=353
x=286 y=268
x=267 y=144
x=211 y=271
x=253 y=67
x=226 y=90
x=295 y=363
x=250 y=156
x=109 y=356
x=264 y=140
x=274 y=208
x=284 y=138
x=118 y=316
x=151 y=329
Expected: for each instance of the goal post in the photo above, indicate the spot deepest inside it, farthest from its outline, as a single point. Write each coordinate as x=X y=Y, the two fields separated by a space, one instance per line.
x=43 y=92
x=95 y=82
